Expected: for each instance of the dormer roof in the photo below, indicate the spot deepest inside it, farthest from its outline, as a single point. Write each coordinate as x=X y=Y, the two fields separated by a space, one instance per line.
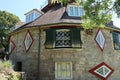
x=39 y=11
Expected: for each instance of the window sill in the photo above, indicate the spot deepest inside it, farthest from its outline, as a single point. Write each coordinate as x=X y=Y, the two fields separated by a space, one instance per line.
x=66 y=48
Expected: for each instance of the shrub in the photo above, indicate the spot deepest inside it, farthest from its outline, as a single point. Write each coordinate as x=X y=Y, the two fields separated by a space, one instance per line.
x=7 y=72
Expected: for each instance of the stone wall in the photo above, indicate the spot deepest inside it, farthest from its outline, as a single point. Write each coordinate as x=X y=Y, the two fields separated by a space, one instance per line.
x=83 y=59
x=28 y=59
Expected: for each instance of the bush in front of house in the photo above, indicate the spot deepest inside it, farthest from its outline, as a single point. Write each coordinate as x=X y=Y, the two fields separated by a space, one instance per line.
x=7 y=72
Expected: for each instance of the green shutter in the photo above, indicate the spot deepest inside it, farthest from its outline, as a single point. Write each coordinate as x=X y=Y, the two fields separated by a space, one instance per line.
x=49 y=43
x=76 y=38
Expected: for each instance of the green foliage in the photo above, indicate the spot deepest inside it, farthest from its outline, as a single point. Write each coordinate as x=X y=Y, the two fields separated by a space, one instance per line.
x=6 y=64
x=97 y=12
x=6 y=69
x=7 y=20
x=62 y=2
x=117 y=7
x=14 y=76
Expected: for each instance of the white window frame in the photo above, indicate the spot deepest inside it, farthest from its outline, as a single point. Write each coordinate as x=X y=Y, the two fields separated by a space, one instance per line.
x=79 y=9
x=32 y=16
x=103 y=75
x=56 y=69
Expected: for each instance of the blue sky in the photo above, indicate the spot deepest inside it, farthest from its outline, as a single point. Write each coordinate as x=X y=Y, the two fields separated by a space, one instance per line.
x=20 y=7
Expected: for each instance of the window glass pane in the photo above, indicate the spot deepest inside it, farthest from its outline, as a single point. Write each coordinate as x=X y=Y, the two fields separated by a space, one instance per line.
x=32 y=15
x=59 y=70
x=29 y=19
x=116 y=40
x=80 y=11
x=68 y=67
x=76 y=11
x=71 y=11
x=64 y=70
x=119 y=37
x=26 y=18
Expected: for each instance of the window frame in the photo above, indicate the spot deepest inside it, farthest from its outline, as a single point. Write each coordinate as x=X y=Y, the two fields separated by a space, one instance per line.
x=116 y=40
x=63 y=70
x=63 y=46
x=79 y=9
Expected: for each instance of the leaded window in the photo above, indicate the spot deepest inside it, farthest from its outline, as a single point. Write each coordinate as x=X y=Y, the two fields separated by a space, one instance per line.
x=76 y=11
x=63 y=38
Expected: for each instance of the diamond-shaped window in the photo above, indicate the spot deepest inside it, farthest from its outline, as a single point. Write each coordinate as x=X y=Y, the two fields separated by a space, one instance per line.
x=102 y=71
x=11 y=46
x=100 y=39
x=28 y=41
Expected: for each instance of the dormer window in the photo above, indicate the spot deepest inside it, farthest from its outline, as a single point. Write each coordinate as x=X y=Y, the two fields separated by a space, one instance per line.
x=75 y=11
x=32 y=15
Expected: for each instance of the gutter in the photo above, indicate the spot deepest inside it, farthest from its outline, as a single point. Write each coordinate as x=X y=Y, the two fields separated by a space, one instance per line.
x=38 y=65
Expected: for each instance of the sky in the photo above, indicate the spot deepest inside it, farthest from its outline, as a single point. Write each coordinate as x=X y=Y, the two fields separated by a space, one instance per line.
x=20 y=7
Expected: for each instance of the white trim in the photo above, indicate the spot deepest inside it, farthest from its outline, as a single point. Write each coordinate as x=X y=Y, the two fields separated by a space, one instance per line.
x=119 y=37
x=80 y=11
x=103 y=75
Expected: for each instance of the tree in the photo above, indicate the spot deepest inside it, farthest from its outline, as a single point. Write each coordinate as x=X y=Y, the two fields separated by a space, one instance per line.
x=97 y=12
x=7 y=21
x=117 y=7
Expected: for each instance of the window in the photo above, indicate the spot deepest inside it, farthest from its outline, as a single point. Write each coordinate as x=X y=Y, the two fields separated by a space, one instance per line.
x=116 y=40
x=75 y=11
x=63 y=70
x=18 y=66
x=63 y=38
x=103 y=71
x=32 y=16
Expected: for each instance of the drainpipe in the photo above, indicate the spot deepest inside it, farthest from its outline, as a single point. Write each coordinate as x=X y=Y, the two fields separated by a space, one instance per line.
x=38 y=66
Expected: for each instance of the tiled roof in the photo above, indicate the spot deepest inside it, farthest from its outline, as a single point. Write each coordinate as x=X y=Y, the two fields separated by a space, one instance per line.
x=111 y=25
x=56 y=14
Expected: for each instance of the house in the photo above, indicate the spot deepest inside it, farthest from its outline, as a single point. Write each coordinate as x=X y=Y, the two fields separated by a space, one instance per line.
x=56 y=47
